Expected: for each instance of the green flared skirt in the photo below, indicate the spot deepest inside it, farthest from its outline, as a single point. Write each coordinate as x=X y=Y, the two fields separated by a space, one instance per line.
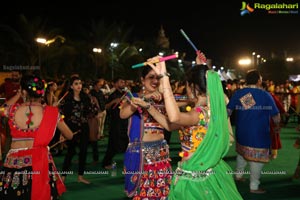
x=213 y=184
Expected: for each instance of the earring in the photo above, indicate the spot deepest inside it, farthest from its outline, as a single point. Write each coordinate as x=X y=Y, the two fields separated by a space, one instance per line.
x=143 y=92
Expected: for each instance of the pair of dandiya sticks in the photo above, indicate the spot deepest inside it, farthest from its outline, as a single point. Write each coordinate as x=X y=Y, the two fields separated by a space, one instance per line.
x=171 y=56
x=127 y=91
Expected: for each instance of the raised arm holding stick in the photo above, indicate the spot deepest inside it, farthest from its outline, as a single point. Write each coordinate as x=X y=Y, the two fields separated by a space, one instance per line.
x=200 y=55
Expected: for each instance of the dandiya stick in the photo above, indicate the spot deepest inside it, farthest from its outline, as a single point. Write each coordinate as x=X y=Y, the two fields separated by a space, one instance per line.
x=188 y=39
x=156 y=61
x=295 y=111
x=128 y=92
x=122 y=97
x=131 y=96
x=194 y=47
x=62 y=140
x=66 y=93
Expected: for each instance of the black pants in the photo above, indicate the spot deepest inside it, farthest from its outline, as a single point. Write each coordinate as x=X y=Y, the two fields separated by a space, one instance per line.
x=57 y=150
x=95 y=151
x=81 y=140
x=117 y=143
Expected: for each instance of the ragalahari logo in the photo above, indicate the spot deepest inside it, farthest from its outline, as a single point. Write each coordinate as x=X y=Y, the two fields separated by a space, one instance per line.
x=246 y=9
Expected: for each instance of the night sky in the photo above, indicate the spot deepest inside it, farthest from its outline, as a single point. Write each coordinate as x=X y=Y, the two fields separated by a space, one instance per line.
x=217 y=29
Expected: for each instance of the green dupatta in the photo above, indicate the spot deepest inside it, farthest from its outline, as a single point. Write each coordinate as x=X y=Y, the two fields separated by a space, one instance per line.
x=218 y=183
x=215 y=145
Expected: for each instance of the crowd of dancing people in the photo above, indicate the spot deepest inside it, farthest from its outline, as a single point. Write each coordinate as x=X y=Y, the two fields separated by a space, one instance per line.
x=45 y=117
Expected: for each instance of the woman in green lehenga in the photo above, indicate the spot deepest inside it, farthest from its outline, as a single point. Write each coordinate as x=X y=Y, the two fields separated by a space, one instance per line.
x=202 y=172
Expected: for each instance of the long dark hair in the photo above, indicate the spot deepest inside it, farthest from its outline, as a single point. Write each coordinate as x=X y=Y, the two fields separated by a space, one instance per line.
x=145 y=71
x=83 y=96
x=196 y=76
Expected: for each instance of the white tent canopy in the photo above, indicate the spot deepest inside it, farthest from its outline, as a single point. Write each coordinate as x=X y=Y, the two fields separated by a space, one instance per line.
x=294 y=78
x=226 y=76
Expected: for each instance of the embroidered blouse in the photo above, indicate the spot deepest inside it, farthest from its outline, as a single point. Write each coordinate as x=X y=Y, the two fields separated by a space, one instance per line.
x=192 y=136
x=150 y=124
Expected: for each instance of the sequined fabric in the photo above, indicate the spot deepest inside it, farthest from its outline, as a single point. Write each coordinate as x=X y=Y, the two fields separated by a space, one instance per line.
x=157 y=174
x=16 y=179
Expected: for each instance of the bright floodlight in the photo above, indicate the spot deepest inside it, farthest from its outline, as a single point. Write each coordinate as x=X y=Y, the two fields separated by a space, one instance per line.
x=97 y=50
x=41 y=40
x=244 y=61
x=114 y=44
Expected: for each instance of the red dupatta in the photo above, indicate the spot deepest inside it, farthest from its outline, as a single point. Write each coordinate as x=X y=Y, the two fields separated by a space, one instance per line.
x=40 y=158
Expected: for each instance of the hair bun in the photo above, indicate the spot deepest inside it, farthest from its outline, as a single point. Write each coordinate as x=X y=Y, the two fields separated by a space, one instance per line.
x=34 y=85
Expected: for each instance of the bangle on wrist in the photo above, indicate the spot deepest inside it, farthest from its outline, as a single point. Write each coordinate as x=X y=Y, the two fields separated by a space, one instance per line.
x=163 y=75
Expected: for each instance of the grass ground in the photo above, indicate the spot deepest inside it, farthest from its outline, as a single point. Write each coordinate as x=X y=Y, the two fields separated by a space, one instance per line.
x=276 y=180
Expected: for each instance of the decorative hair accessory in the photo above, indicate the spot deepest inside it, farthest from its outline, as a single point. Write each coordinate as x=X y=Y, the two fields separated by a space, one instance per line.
x=33 y=86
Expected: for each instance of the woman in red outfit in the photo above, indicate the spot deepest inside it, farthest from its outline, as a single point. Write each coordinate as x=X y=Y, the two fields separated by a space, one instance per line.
x=29 y=171
x=275 y=130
